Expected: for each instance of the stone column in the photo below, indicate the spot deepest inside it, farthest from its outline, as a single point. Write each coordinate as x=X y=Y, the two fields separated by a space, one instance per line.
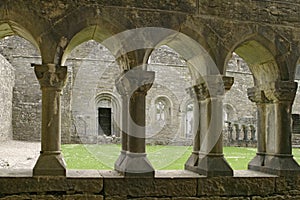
x=52 y=79
x=256 y=95
x=211 y=161
x=230 y=130
x=137 y=84
x=199 y=94
x=279 y=159
x=252 y=130
x=245 y=131
x=237 y=132
x=124 y=120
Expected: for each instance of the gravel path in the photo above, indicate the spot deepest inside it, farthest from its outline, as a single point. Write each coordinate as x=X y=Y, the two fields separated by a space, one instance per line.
x=18 y=154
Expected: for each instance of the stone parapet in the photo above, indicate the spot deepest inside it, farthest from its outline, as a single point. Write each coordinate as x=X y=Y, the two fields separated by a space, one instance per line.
x=177 y=184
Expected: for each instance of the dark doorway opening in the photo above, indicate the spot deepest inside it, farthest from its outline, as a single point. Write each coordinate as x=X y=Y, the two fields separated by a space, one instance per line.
x=104 y=121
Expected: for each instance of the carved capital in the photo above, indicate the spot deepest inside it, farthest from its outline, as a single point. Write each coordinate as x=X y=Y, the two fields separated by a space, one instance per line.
x=135 y=81
x=257 y=95
x=215 y=85
x=199 y=92
x=282 y=91
x=228 y=82
x=210 y=86
x=120 y=83
x=51 y=75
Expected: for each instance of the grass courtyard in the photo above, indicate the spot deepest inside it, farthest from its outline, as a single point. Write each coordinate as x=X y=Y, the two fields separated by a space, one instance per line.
x=103 y=157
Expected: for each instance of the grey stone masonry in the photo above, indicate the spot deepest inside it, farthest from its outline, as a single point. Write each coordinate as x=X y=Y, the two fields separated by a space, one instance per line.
x=7 y=80
x=166 y=185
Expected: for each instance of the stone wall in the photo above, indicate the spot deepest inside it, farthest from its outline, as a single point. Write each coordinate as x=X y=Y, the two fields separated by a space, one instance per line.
x=7 y=79
x=26 y=109
x=167 y=185
x=92 y=72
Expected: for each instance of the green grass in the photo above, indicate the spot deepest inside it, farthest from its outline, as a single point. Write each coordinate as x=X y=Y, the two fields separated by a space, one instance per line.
x=80 y=156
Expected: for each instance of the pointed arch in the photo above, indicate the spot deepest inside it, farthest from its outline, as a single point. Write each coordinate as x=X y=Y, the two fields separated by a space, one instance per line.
x=259 y=53
x=10 y=28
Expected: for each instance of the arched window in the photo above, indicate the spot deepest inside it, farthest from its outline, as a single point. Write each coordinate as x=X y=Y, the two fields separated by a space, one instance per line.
x=227 y=112
x=162 y=109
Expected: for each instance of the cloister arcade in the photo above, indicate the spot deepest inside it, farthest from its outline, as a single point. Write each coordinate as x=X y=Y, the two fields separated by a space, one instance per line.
x=204 y=37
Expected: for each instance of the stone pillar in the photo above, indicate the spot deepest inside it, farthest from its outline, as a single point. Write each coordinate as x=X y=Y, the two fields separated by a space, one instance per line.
x=258 y=96
x=279 y=159
x=252 y=130
x=120 y=85
x=136 y=162
x=237 y=132
x=199 y=94
x=211 y=161
x=52 y=79
x=230 y=130
x=245 y=131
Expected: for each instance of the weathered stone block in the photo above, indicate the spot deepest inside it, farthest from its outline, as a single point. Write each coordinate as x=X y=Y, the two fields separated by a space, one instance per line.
x=142 y=187
x=231 y=186
x=50 y=184
x=83 y=197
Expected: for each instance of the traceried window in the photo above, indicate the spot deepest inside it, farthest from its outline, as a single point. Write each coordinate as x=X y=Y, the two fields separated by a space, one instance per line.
x=163 y=109
x=160 y=110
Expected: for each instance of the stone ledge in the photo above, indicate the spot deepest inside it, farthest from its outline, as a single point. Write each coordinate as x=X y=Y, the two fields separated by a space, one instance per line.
x=80 y=181
x=168 y=184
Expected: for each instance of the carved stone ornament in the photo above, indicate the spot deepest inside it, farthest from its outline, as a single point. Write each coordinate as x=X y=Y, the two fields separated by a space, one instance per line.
x=282 y=91
x=51 y=75
x=135 y=81
x=255 y=94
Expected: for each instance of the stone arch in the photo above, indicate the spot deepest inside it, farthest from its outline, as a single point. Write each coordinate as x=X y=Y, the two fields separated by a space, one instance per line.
x=9 y=28
x=259 y=53
x=272 y=87
x=199 y=60
x=94 y=32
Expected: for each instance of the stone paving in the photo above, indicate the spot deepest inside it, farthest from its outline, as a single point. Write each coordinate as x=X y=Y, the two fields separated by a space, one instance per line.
x=18 y=154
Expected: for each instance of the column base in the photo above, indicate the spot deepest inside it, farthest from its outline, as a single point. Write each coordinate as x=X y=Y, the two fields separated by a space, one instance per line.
x=192 y=162
x=212 y=165
x=50 y=164
x=257 y=163
x=120 y=160
x=281 y=165
x=136 y=164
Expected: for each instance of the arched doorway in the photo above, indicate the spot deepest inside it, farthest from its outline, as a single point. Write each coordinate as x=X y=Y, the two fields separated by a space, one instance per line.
x=108 y=118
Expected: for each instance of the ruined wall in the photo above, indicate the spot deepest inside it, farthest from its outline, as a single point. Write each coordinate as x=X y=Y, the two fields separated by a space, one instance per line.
x=26 y=103
x=92 y=71
x=7 y=79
